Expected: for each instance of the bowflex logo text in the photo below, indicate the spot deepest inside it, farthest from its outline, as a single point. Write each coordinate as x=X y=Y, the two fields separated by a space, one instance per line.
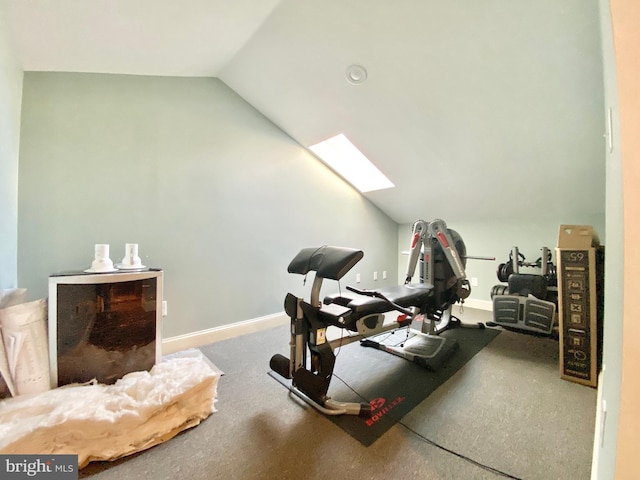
x=380 y=408
x=52 y=467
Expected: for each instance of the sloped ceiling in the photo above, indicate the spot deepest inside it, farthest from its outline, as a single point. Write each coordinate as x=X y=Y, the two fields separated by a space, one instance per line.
x=143 y=37
x=476 y=110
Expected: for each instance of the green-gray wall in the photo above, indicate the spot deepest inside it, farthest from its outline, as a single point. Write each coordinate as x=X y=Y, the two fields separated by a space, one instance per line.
x=10 y=99
x=213 y=193
x=605 y=443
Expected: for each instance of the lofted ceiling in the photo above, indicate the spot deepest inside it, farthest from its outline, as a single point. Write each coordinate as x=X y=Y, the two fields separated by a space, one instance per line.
x=475 y=109
x=140 y=37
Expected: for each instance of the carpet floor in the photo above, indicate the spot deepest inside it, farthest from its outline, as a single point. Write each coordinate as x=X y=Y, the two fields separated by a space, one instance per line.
x=504 y=414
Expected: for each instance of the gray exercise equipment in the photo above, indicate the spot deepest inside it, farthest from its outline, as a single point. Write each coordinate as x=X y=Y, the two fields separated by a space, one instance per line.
x=424 y=308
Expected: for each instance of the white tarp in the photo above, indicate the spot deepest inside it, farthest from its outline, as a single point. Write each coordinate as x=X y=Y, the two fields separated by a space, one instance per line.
x=106 y=422
x=8 y=298
x=23 y=329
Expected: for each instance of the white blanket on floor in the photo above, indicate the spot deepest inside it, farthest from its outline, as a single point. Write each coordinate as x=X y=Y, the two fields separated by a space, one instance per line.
x=106 y=422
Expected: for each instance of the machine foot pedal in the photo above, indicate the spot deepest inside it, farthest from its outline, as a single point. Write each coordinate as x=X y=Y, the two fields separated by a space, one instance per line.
x=429 y=351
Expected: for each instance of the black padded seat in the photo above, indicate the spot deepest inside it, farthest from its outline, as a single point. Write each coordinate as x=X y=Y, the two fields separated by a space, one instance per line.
x=410 y=295
x=525 y=284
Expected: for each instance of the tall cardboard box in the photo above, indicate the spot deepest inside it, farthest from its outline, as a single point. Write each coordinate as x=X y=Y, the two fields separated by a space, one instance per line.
x=580 y=260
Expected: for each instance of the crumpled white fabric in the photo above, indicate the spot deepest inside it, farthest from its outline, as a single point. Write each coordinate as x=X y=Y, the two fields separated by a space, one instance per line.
x=106 y=422
x=24 y=336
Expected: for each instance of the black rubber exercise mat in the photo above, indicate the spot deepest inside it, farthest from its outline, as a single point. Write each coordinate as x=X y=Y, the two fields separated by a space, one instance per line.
x=393 y=385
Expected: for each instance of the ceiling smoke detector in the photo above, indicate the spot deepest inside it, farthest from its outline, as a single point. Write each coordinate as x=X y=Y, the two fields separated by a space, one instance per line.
x=356 y=74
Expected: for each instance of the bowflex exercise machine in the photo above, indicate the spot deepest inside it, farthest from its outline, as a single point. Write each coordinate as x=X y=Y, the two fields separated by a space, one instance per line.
x=424 y=307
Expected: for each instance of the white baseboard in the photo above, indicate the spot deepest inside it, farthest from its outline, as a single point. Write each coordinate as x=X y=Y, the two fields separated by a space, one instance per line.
x=479 y=304
x=216 y=334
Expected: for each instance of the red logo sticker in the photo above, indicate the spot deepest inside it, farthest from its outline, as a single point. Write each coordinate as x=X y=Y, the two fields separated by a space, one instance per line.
x=380 y=408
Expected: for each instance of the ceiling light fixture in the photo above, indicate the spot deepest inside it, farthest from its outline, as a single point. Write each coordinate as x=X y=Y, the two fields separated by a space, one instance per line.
x=351 y=164
x=356 y=74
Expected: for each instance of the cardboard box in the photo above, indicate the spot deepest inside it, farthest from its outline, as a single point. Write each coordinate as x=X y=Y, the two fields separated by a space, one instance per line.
x=580 y=259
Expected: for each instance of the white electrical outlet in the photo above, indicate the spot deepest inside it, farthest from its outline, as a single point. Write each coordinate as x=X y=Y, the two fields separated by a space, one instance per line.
x=164 y=308
x=384 y=274
x=357 y=278
x=474 y=281
x=375 y=276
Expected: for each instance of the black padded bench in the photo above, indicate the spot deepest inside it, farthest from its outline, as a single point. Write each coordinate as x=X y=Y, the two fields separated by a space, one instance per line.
x=351 y=307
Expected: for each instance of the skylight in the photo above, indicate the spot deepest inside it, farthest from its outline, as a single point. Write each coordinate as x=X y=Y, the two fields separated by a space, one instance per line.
x=351 y=164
